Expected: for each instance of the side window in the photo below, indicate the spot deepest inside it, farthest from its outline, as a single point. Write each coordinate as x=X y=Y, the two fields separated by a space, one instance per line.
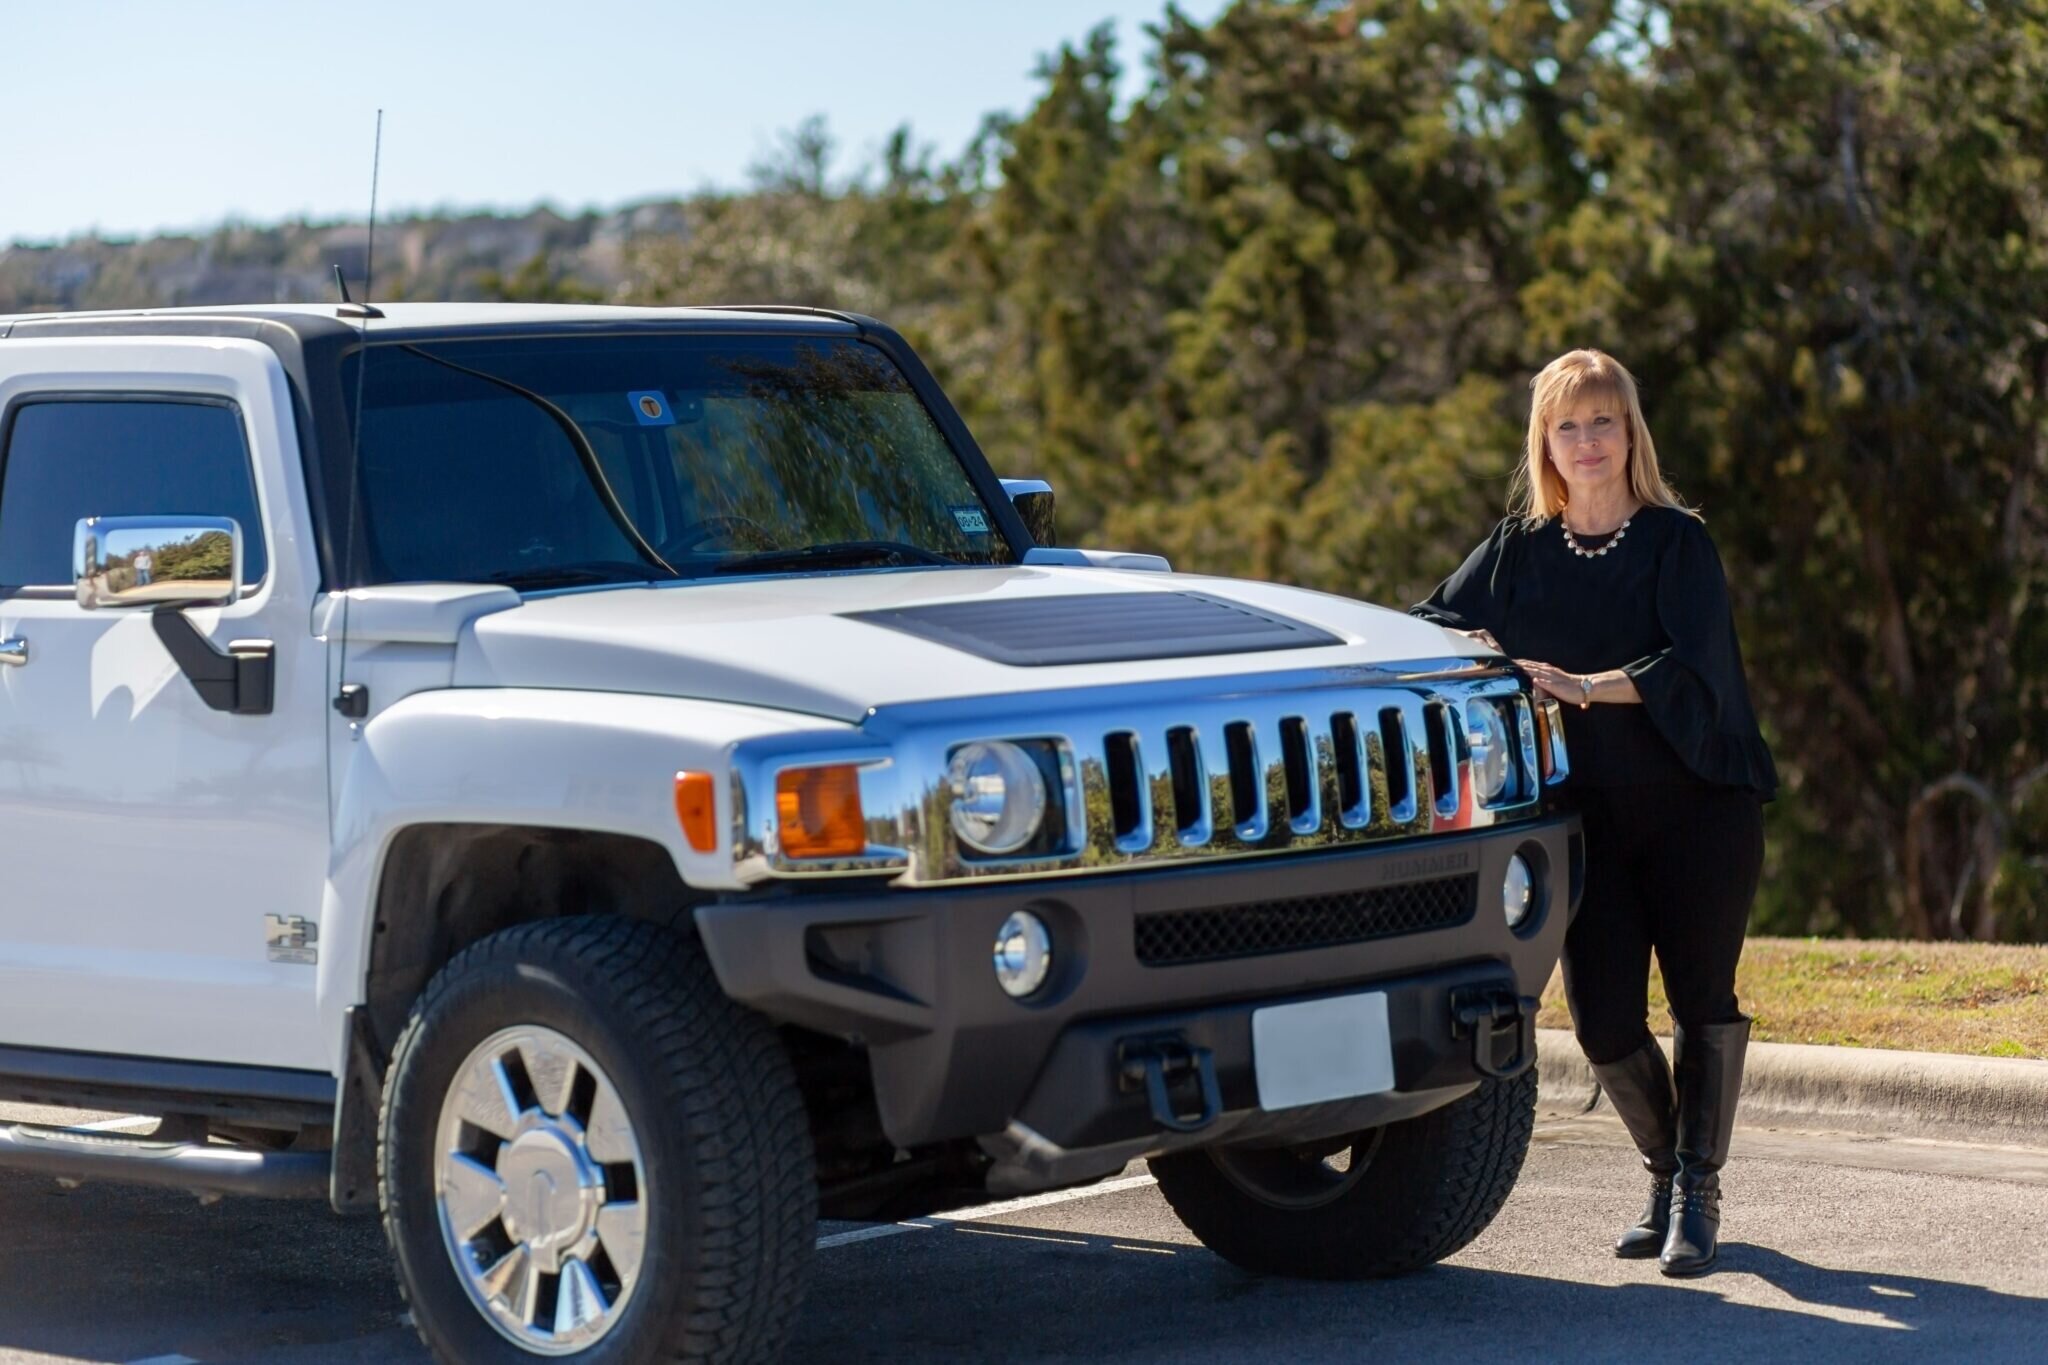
x=67 y=459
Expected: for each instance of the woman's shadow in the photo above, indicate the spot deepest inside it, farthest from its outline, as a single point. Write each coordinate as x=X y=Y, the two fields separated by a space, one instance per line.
x=1951 y=1313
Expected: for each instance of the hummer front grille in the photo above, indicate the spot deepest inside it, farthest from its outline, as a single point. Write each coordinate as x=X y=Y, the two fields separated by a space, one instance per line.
x=1279 y=772
x=1171 y=771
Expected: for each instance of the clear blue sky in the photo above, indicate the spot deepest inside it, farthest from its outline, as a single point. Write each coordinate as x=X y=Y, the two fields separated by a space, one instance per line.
x=131 y=117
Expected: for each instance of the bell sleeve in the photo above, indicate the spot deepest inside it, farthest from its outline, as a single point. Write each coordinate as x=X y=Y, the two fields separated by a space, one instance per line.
x=1474 y=597
x=1694 y=689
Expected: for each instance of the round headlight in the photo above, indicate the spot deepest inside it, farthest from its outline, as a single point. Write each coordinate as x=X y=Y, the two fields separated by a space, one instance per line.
x=1487 y=734
x=1023 y=954
x=998 y=796
x=1517 y=891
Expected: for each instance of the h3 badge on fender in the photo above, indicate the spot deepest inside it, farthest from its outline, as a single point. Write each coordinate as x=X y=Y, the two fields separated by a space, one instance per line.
x=292 y=939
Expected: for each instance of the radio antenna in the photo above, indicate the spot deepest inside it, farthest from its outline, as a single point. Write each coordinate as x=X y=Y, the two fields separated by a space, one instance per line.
x=350 y=699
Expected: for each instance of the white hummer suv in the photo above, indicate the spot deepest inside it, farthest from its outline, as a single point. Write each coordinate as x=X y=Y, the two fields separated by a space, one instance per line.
x=606 y=786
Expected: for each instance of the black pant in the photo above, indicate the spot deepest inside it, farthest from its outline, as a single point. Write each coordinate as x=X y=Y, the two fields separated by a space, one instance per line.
x=1672 y=868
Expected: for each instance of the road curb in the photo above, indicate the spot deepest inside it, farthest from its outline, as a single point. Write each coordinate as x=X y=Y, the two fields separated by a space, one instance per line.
x=1849 y=1089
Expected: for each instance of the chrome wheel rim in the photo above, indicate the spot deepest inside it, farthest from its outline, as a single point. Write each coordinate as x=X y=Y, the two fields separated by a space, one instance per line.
x=1305 y=1176
x=541 y=1191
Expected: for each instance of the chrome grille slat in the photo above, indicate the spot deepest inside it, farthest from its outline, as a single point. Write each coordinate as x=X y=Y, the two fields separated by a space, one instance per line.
x=1156 y=780
x=1248 y=821
x=1273 y=781
x=1347 y=741
x=1188 y=773
x=1299 y=773
x=1397 y=748
x=1123 y=764
x=1441 y=728
x=1322 y=756
x=1531 y=776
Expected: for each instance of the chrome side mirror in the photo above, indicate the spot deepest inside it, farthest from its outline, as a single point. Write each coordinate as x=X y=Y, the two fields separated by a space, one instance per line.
x=1033 y=500
x=157 y=561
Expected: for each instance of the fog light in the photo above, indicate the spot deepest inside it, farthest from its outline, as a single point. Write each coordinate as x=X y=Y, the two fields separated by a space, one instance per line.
x=998 y=796
x=1517 y=891
x=1023 y=954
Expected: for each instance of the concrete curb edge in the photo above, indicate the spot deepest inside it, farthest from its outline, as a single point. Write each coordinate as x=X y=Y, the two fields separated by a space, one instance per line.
x=1849 y=1089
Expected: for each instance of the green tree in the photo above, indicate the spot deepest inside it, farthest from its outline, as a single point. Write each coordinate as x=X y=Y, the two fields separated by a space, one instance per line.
x=1822 y=238
x=209 y=554
x=1278 y=317
x=536 y=281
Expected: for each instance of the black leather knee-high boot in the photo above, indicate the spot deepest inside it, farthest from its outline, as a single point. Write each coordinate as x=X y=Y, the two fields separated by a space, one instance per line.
x=1640 y=1089
x=1709 y=1082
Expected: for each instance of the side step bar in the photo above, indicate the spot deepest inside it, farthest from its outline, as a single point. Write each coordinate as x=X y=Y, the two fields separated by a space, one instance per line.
x=203 y=1168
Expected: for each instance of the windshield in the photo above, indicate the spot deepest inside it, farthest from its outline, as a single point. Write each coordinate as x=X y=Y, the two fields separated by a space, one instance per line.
x=546 y=462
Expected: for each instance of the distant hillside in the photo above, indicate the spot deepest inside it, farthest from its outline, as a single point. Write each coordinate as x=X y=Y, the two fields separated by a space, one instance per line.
x=476 y=256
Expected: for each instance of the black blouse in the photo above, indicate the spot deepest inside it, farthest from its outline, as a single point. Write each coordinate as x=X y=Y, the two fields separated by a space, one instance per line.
x=1656 y=606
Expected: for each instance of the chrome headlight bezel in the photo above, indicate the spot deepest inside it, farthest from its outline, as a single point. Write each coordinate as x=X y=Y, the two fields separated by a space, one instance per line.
x=999 y=798
x=1491 y=743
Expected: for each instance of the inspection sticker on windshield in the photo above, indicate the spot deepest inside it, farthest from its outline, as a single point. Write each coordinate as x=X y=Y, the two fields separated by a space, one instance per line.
x=651 y=408
x=972 y=520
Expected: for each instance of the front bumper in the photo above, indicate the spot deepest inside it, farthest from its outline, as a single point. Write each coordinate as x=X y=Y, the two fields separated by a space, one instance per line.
x=1047 y=1083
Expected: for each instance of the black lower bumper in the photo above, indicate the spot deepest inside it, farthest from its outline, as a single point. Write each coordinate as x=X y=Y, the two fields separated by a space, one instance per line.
x=1169 y=964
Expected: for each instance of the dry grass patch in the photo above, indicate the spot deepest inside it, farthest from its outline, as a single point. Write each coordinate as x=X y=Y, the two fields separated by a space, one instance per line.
x=1984 y=999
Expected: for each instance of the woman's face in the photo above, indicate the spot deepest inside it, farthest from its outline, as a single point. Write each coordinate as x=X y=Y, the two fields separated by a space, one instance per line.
x=1589 y=448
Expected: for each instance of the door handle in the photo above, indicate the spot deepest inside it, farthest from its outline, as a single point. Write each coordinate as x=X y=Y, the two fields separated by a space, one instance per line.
x=13 y=652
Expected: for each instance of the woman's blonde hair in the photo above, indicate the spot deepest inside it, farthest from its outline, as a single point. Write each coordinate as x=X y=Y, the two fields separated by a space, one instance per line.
x=1575 y=377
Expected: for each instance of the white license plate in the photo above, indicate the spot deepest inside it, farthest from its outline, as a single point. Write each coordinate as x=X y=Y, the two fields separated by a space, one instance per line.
x=1322 y=1050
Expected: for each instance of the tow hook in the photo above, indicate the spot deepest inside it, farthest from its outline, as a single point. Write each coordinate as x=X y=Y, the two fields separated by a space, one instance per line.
x=1159 y=1065
x=1480 y=1011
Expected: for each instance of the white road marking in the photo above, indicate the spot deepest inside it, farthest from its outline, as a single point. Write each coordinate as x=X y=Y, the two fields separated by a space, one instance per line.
x=1023 y=1236
x=166 y=1360
x=840 y=1239
x=975 y=1215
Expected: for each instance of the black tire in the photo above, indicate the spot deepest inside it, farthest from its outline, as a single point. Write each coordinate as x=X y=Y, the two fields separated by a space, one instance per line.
x=732 y=1193
x=1427 y=1186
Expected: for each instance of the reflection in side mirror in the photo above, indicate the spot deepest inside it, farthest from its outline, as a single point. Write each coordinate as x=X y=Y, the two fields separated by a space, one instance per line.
x=157 y=561
x=1033 y=500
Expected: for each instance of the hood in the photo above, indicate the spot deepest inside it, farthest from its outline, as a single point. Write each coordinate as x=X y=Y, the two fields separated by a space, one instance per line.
x=796 y=643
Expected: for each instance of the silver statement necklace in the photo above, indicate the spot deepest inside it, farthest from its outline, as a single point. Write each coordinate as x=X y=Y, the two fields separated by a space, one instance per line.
x=1581 y=551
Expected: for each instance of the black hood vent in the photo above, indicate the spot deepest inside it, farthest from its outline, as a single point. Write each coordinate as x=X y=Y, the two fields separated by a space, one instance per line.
x=1100 y=628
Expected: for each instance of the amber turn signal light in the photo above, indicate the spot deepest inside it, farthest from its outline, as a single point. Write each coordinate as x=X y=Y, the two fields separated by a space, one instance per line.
x=697 y=810
x=818 y=810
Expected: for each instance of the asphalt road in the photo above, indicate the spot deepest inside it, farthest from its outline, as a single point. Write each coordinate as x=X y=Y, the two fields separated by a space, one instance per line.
x=1838 y=1249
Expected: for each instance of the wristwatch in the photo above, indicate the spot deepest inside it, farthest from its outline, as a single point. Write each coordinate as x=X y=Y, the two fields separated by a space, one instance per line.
x=1585 y=690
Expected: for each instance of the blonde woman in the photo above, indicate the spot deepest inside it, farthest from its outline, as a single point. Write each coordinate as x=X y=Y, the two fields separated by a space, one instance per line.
x=1606 y=588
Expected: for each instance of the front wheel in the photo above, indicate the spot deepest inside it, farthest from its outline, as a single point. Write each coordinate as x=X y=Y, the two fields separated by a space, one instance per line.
x=1382 y=1202
x=590 y=1154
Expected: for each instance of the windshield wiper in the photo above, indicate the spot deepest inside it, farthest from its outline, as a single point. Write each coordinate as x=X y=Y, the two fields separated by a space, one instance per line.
x=586 y=454
x=834 y=552
x=564 y=576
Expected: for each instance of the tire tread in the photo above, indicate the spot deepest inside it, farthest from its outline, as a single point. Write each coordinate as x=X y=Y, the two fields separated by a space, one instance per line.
x=1446 y=1175
x=719 y=1072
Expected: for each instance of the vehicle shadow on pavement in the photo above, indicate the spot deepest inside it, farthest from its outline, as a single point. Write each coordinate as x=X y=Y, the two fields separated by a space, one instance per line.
x=114 y=1272
x=1071 y=1295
